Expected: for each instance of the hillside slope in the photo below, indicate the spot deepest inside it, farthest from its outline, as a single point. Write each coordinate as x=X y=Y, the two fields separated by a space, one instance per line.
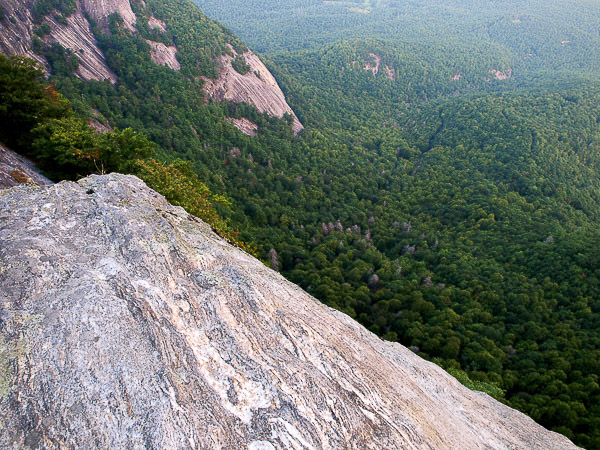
x=69 y=36
x=128 y=323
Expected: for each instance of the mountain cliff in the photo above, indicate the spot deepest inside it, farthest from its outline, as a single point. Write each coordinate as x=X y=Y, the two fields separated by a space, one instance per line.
x=257 y=87
x=125 y=322
x=22 y=27
x=42 y=28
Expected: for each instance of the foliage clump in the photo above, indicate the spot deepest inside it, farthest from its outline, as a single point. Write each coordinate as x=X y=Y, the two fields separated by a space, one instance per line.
x=25 y=101
x=69 y=148
x=240 y=65
x=489 y=388
x=43 y=30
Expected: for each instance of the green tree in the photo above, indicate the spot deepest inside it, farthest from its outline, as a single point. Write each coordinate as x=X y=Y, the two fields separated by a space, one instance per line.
x=25 y=101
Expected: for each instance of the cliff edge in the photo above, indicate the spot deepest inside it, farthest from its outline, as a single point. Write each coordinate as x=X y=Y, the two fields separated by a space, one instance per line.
x=125 y=322
x=16 y=169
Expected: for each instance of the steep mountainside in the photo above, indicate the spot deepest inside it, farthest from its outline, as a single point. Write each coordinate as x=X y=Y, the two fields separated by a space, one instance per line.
x=125 y=322
x=45 y=29
x=16 y=33
x=22 y=26
x=257 y=87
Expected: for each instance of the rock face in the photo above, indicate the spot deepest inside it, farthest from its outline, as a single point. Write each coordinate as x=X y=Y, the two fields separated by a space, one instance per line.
x=17 y=32
x=16 y=29
x=15 y=170
x=126 y=323
x=99 y=10
x=163 y=55
x=77 y=36
x=156 y=24
x=244 y=125
x=376 y=64
x=258 y=87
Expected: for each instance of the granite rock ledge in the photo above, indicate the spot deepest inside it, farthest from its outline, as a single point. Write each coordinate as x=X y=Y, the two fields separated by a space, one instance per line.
x=127 y=323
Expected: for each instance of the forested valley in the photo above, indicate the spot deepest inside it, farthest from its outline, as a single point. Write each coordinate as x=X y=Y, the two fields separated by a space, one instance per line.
x=445 y=192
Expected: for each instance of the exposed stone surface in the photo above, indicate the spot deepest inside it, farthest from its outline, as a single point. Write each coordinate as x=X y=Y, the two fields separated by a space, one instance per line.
x=244 y=125
x=100 y=127
x=16 y=30
x=99 y=10
x=155 y=23
x=258 y=87
x=78 y=37
x=16 y=38
x=376 y=64
x=163 y=55
x=127 y=323
x=15 y=170
x=390 y=73
x=500 y=75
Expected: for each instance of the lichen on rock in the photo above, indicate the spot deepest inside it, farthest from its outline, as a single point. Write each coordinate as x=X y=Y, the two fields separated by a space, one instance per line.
x=6 y=373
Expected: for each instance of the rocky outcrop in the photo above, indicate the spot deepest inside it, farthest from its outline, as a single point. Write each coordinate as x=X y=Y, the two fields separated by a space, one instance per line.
x=500 y=75
x=127 y=323
x=390 y=73
x=17 y=32
x=77 y=36
x=99 y=10
x=15 y=170
x=257 y=87
x=156 y=24
x=376 y=63
x=163 y=55
x=244 y=125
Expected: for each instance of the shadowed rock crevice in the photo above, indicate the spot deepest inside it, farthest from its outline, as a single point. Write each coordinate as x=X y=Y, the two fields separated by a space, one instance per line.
x=123 y=323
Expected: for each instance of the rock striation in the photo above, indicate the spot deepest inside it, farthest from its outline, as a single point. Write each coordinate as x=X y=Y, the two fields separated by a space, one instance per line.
x=16 y=30
x=77 y=36
x=257 y=87
x=99 y=10
x=246 y=126
x=127 y=323
x=17 y=33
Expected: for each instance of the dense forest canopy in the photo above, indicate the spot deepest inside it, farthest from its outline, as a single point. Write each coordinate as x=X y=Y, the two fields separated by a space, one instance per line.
x=538 y=35
x=446 y=189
